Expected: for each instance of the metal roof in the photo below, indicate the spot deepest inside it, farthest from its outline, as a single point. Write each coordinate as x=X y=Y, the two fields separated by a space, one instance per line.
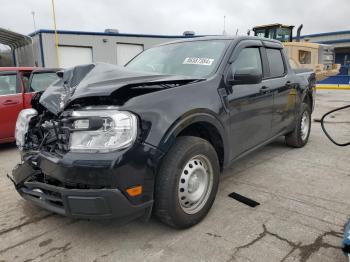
x=68 y=32
x=330 y=42
x=343 y=32
x=13 y=39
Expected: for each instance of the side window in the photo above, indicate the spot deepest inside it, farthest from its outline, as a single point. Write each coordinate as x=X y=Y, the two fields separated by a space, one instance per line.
x=274 y=57
x=8 y=84
x=260 y=33
x=248 y=58
x=304 y=57
x=40 y=81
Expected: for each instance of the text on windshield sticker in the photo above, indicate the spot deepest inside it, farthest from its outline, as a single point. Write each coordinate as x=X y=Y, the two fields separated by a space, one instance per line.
x=198 y=61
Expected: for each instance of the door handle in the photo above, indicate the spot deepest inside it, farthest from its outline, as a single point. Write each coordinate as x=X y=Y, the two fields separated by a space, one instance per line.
x=10 y=102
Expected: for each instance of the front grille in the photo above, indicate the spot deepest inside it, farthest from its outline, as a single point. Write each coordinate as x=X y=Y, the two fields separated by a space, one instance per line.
x=52 y=197
x=43 y=178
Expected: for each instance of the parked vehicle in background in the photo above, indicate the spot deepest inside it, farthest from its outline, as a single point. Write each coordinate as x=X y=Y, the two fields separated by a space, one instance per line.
x=107 y=141
x=17 y=86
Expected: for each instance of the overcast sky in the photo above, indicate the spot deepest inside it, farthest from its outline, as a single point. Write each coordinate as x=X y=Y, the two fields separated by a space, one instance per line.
x=175 y=16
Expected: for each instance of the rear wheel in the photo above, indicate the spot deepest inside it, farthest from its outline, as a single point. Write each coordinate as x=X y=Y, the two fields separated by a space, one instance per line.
x=300 y=135
x=187 y=182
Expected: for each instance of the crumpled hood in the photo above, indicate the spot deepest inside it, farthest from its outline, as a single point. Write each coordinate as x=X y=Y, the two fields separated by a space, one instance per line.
x=98 y=79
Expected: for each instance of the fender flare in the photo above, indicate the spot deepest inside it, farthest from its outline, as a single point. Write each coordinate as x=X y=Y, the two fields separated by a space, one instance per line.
x=308 y=93
x=188 y=119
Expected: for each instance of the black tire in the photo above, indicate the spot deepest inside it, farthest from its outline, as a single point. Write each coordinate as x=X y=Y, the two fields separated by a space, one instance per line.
x=297 y=138
x=167 y=207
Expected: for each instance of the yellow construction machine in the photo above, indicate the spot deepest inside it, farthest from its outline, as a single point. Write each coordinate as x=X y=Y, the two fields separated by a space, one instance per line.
x=302 y=54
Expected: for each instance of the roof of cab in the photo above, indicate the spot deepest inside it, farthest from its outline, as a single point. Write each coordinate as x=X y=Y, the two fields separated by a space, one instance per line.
x=273 y=25
x=221 y=37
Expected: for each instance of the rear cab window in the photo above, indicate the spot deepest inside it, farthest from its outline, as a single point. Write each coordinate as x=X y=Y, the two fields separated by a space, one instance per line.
x=276 y=63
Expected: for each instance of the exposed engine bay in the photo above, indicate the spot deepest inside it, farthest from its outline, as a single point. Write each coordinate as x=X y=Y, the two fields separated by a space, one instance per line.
x=46 y=131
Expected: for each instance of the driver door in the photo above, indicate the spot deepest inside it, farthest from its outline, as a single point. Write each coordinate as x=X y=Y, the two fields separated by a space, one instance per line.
x=250 y=105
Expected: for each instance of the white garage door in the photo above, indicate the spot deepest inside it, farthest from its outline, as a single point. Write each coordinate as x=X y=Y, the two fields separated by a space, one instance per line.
x=125 y=52
x=73 y=55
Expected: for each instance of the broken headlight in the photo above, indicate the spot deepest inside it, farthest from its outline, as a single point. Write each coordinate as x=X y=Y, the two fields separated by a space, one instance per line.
x=102 y=130
x=22 y=125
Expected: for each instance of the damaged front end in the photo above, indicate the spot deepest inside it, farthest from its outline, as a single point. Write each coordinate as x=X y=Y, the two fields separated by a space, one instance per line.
x=81 y=163
x=81 y=153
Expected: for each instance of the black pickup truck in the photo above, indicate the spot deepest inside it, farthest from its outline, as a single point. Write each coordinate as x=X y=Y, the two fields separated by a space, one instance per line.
x=111 y=142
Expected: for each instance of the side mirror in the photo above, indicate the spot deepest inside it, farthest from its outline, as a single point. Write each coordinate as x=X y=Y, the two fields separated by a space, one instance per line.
x=246 y=76
x=335 y=124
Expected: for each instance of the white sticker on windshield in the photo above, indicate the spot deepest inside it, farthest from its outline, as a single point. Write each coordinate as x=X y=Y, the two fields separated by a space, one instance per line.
x=198 y=61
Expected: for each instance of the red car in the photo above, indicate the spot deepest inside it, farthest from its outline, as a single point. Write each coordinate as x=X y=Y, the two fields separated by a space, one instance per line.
x=17 y=86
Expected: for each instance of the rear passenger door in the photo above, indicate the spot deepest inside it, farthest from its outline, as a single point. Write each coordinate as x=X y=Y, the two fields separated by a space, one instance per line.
x=284 y=92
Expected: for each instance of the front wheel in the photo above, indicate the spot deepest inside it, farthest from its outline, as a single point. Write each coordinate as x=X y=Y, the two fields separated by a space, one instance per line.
x=300 y=135
x=187 y=182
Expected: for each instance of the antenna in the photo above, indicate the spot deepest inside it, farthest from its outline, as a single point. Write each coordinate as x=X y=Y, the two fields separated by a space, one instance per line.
x=224 y=31
x=237 y=31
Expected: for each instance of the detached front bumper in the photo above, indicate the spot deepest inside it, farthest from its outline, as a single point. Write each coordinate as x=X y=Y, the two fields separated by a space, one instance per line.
x=89 y=198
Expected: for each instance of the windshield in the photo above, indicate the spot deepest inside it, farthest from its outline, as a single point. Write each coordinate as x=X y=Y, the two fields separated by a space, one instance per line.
x=283 y=34
x=194 y=59
x=8 y=84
